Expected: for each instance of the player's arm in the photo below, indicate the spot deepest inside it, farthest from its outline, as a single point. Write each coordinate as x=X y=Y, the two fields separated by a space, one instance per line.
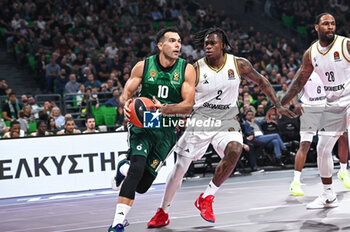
x=187 y=93
x=300 y=78
x=131 y=86
x=347 y=54
x=246 y=70
x=298 y=108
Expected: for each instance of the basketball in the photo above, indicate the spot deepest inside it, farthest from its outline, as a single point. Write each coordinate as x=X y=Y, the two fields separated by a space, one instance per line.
x=137 y=107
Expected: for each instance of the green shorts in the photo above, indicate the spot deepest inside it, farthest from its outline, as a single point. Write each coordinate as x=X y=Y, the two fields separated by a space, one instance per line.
x=153 y=143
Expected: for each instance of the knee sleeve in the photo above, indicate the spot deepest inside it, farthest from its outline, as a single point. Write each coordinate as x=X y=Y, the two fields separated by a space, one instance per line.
x=145 y=182
x=324 y=155
x=135 y=173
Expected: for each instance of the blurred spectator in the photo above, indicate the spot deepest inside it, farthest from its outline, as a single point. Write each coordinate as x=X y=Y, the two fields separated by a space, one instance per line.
x=280 y=94
x=27 y=114
x=253 y=128
x=41 y=129
x=61 y=81
x=102 y=71
x=44 y=114
x=3 y=127
x=92 y=82
x=56 y=114
x=90 y=125
x=11 y=109
x=35 y=108
x=52 y=72
x=3 y=87
x=69 y=128
x=260 y=113
x=270 y=126
x=24 y=100
x=197 y=53
x=15 y=131
x=112 y=50
x=23 y=122
x=72 y=85
x=271 y=66
x=51 y=126
x=186 y=47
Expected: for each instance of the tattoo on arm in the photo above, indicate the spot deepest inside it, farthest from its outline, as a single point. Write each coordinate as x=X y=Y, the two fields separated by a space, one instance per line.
x=246 y=69
x=300 y=78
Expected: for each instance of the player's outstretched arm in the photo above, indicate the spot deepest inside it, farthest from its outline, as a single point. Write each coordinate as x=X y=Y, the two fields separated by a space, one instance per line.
x=187 y=93
x=131 y=86
x=300 y=78
x=247 y=71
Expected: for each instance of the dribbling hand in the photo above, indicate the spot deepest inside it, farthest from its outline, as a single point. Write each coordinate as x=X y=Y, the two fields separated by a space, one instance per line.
x=126 y=110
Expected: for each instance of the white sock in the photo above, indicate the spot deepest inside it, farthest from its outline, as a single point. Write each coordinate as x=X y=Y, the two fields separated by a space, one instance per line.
x=120 y=213
x=211 y=189
x=124 y=169
x=343 y=166
x=328 y=190
x=297 y=175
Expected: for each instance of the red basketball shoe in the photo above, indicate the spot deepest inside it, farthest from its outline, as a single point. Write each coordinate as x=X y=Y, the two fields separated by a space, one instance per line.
x=205 y=206
x=160 y=219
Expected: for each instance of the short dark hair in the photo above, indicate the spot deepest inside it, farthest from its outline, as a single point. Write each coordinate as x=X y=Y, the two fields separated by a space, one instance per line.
x=40 y=122
x=69 y=120
x=88 y=117
x=161 y=33
x=14 y=123
x=318 y=17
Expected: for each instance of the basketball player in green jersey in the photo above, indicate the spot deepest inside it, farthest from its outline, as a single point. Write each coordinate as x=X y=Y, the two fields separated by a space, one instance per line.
x=167 y=79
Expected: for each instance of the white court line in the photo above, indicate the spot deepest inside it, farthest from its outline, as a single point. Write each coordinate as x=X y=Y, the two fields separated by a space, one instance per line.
x=152 y=190
x=277 y=221
x=139 y=222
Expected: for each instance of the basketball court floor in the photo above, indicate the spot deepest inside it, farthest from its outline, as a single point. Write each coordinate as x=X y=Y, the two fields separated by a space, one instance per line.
x=259 y=202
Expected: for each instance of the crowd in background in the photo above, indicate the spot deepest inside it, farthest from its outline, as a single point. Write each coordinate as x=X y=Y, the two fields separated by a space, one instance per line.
x=90 y=47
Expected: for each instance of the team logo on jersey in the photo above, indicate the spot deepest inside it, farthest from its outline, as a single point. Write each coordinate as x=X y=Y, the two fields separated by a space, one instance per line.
x=176 y=76
x=231 y=129
x=336 y=56
x=231 y=74
x=155 y=163
x=151 y=79
x=152 y=73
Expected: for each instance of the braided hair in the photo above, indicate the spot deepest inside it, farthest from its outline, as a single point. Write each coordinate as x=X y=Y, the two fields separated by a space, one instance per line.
x=198 y=38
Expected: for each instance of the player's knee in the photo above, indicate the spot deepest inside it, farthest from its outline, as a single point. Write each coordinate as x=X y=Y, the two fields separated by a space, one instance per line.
x=233 y=150
x=305 y=146
x=142 y=189
x=137 y=167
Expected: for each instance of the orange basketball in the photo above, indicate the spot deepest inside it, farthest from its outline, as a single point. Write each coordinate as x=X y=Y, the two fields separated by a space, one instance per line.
x=137 y=107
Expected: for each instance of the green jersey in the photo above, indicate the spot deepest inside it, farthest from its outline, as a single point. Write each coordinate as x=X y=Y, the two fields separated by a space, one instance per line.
x=163 y=83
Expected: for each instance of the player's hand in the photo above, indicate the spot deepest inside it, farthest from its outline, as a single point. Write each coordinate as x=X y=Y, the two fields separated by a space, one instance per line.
x=280 y=111
x=161 y=107
x=126 y=110
x=157 y=103
x=298 y=109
